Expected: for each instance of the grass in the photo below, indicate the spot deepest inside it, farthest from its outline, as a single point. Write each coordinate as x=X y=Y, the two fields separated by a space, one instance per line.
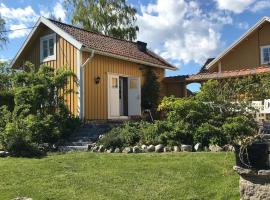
x=81 y=176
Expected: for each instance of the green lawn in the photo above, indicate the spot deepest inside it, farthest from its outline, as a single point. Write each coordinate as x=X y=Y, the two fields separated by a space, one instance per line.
x=86 y=176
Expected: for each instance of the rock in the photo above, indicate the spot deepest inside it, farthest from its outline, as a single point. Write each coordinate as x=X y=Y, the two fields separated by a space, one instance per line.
x=90 y=147
x=215 y=148
x=228 y=147
x=127 y=150
x=101 y=149
x=206 y=149
x=159 y=148
x=23 y=198
x=95 y=149
x=117 y=150
x=264 y=172
x=185 y=147
x=150 y=148
x=4 y=154
x=110 y=150
x=144 y=147
x=100 y=137
x=176 y=148
x=243 y=171
x=198 y=147
x=167 y=149
x=136 y=149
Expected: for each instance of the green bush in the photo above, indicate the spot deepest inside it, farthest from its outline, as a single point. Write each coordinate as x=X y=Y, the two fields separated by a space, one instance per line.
x=17 y=143
x=236 y=127
x=208 y=134
x=112 y=139
x=39 y=114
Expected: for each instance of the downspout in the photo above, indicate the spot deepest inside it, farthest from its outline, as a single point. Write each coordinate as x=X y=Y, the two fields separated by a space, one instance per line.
x=82 y=80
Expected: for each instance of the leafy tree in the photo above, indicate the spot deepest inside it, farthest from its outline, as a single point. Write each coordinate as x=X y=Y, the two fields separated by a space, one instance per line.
x=150 y=90
x=110 y=17
x=3 y=33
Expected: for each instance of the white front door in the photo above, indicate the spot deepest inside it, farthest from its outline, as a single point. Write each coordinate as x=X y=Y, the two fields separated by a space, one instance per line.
x=134 y=96
x=113 y=99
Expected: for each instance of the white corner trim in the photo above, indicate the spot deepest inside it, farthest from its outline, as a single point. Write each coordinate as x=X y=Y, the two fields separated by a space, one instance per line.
x=81 y=83
x=261 y=53
x=53 y=27
x=127 y=59
x=80 y=86
x=247 y=33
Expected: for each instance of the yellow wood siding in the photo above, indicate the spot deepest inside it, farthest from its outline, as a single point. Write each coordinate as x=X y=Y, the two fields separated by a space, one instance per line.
x=247 y=53
x=96 y=95
x=66 y=56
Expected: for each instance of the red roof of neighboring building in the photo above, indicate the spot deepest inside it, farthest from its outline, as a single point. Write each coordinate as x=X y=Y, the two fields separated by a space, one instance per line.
x=107 y=44
x=227 y=74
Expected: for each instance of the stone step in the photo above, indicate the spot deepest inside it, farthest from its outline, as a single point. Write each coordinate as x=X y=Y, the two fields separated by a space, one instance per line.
x=79 y=143
x=72 y=148
x=83 y=139
x=266 y=136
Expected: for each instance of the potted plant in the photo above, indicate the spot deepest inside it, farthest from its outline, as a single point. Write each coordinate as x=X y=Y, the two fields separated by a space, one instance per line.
x=252 y=153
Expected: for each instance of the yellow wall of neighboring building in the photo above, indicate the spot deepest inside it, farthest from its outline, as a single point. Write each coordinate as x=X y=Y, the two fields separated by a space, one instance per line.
x=247 y=53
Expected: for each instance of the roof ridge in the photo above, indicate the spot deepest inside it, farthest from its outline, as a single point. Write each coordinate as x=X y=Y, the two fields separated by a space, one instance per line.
x=91 y=31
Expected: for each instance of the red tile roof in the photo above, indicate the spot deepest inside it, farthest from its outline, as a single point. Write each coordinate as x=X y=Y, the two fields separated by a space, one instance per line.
x=111 y=45
x=227 y=74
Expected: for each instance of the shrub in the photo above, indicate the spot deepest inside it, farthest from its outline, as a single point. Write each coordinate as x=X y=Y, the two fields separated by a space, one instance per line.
x=18 y=143
x=112 y=139
x=150 y=90
x=39 y=114
x=240 y=126
x=208 y=134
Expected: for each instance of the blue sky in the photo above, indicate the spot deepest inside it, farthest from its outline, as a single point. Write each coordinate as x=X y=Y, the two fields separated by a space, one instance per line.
x=185 y=32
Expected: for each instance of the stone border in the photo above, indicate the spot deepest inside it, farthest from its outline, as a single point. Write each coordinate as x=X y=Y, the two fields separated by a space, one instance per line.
x=157 y=148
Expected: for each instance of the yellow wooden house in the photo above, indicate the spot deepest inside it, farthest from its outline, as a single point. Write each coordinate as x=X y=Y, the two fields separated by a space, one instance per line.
x=109 y=70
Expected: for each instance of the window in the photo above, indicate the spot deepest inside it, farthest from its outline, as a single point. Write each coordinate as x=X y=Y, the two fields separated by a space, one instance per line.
x=114 y=82
x=265 y=54
x=48 y=48
x=133 y=83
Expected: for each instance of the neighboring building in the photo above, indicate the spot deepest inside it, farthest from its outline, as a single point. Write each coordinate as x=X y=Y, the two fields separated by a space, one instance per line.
x=110 y=70
x=250 y=54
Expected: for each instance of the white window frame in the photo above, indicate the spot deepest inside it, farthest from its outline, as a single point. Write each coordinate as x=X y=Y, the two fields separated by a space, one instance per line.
x=52 y=57
x=262 y=60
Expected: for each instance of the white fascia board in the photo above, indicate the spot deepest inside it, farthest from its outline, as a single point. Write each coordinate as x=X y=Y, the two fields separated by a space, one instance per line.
x=264 y=19
x=62 y=33
x=127 y=59
x=54 y=28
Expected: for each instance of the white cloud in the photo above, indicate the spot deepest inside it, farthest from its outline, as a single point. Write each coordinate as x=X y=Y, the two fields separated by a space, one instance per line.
x=21 y=31
x=181 y=30
x=261 y=5
x=20 y=18
x=236 y=6
x=26 y=14
x=59 y=11
x=242 y=25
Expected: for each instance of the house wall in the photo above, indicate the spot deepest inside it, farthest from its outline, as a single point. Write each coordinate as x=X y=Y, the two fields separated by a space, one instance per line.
x=247 y=53
x=66 y=56
x=175 y=88
x=96 y=95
